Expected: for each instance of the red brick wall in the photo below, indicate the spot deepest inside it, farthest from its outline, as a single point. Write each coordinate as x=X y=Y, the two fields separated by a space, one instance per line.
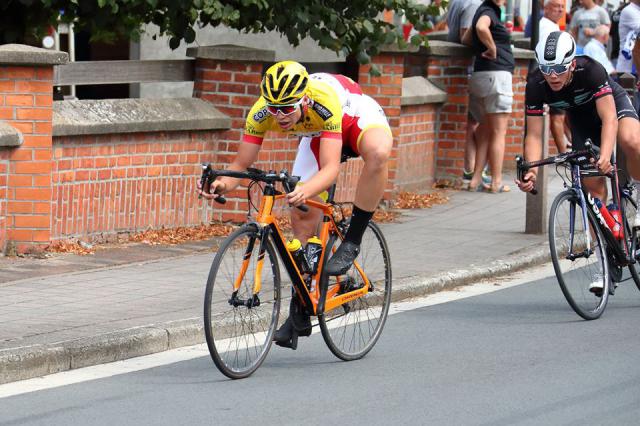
x=451 y=73
x=515 y=129
x=128 y=182
x=416 y=148
x=25 y=172
x=387 y=91
x=92 y=185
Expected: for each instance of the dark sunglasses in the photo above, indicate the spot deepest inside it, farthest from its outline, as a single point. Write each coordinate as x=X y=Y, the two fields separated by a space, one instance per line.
x=283 y=109
x=557 y=69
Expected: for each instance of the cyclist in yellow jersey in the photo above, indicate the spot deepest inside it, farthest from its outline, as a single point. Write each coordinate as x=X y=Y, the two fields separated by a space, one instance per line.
x=331 y=116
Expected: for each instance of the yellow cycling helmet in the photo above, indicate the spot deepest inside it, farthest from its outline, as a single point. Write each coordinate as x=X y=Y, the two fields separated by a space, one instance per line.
x=284 y=83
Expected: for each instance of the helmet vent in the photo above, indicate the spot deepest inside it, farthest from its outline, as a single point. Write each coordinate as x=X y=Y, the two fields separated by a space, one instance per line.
x=551 y=46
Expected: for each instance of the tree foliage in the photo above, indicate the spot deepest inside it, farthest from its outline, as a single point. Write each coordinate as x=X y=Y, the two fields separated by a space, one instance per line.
x=351 y=27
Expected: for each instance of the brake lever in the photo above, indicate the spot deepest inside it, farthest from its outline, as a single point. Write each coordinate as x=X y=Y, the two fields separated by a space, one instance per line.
x=208 y=176
x=289 y=183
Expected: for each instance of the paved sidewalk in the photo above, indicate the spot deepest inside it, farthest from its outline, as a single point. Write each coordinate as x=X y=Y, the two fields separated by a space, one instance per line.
x=72 y=311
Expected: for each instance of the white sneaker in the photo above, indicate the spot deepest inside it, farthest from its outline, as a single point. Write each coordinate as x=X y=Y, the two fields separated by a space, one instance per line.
x=597 y=284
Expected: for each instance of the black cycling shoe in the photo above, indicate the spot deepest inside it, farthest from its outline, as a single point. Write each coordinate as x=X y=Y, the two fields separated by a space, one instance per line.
x=298 y=324
x=342 y=259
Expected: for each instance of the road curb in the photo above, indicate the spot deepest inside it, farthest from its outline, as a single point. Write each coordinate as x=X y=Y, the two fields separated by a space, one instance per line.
x=38 y=360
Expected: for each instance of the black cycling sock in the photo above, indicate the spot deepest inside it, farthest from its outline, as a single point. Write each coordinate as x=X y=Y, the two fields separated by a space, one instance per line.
x=359 y=220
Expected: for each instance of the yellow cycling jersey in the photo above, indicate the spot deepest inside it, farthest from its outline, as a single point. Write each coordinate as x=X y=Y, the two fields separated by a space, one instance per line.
x=323 y=116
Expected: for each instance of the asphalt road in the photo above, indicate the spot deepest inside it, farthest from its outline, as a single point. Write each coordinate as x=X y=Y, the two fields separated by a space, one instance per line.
x=516 y=356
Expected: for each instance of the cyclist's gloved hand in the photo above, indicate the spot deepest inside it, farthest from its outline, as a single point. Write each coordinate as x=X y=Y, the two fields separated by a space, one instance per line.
x=528 y=182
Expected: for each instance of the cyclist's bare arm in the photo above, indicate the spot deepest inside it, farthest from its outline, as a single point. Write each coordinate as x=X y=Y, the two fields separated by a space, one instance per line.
x=246 y=156
x=606 y=108
x=330 y=152
x=532 y=150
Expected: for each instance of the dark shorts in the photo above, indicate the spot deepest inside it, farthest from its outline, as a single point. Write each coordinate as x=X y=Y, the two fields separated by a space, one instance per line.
x=556 y=111
x=591 y=127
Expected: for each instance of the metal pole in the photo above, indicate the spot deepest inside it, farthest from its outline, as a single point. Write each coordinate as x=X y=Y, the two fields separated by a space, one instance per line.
x=535 y=23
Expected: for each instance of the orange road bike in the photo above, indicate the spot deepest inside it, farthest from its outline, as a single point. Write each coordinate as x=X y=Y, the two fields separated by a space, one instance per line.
x=244 y=288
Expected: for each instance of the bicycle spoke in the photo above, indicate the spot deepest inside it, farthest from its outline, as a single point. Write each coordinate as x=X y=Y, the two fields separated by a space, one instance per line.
x=578 y=255
x=239 y=337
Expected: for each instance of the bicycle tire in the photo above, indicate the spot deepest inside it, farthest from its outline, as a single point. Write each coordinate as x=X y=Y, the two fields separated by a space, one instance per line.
x=575 y=275
x=629 y=207
x=352 y=329
x=239 y=337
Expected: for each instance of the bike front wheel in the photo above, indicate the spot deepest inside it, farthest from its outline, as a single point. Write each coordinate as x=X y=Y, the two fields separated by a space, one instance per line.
x=352 y=329
x=239 y=325
x=578 y=253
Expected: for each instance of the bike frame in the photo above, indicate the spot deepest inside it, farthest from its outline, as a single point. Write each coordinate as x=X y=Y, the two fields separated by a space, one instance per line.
x=619 y=248
x=268 y=228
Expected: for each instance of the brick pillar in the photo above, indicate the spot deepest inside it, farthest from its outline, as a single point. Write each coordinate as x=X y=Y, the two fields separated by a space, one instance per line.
x=447 y=67
x=229 y=78
x=26 y=96
x=387 y=91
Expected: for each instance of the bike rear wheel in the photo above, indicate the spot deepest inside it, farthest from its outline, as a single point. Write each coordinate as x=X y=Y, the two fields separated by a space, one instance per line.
x=352 y=329
x=629 y=207
x=238 y=327
x=578 y=253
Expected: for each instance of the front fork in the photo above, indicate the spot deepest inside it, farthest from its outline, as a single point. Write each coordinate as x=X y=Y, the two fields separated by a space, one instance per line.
x=254 y=300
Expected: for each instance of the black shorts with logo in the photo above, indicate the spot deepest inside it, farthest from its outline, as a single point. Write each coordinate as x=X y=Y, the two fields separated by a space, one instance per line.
x=583 y=128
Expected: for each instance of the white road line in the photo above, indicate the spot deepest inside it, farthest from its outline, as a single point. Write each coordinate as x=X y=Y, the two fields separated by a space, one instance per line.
x=197 y=351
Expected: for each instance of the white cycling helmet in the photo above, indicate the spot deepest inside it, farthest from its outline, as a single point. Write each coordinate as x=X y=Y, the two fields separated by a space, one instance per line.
x=555 y=52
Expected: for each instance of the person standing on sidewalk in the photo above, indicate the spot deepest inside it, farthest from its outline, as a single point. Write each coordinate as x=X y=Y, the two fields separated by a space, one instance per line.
x=490 y=90
x=459 y=18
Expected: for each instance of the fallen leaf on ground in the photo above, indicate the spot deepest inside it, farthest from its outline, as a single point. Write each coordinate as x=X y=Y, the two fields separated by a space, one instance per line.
x=412 y=200
x=172 y=236
x=70 y=246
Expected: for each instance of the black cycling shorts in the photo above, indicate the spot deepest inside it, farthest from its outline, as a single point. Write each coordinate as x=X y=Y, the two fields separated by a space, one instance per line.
x=583 y=128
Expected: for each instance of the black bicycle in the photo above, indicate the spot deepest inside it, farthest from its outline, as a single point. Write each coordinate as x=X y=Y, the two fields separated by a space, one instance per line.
x=588 y=255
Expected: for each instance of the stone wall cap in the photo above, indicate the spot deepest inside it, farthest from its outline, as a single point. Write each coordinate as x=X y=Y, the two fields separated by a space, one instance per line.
x=20 y=54
x=394 y=48
x=519 y=53
x=9 y=135
x=91 y=117
x=450 y=49
x=419 y=91
x=446 y=48
x=231 y=52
